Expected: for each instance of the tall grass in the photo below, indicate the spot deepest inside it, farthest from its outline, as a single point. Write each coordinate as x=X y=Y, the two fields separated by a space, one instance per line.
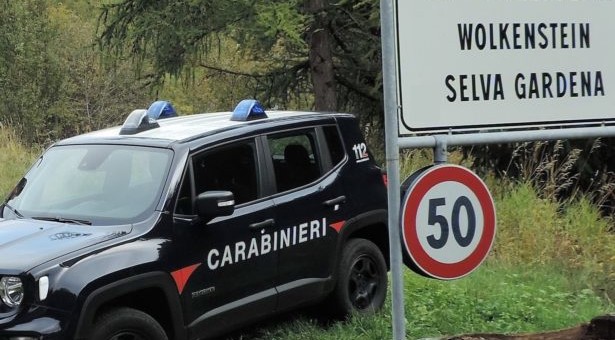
x=14 y=159
x=571 y=236
x=560 y=171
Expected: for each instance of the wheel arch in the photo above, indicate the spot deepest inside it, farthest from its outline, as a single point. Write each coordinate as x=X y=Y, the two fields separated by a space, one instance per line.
x=153 y=293
x=371 y=226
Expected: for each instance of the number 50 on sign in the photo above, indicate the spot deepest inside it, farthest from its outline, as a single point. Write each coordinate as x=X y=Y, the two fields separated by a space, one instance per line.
x=448 y=222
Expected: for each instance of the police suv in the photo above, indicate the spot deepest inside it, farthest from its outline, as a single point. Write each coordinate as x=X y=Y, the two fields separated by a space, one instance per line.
x=187 y=227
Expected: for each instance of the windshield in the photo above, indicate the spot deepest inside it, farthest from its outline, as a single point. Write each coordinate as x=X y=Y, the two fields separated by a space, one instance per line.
x=99 y=184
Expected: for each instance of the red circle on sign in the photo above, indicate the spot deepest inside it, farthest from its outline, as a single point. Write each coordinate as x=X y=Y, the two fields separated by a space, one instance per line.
x=416 y=193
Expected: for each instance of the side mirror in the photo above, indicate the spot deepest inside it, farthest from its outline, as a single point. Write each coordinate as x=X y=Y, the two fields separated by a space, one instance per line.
x=212 y=204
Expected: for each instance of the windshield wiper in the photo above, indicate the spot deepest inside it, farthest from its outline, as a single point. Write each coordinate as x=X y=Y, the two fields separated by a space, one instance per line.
x=62 y=220
x=13 y=210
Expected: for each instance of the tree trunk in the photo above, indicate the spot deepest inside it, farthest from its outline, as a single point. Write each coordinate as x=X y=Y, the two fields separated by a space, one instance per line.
x=321 y=60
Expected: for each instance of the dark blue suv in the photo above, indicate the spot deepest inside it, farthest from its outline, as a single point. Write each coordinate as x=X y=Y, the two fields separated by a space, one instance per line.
x=188 y=227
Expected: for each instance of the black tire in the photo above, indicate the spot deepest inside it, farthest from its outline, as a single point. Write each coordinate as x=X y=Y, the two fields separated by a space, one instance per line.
x=127 y=324
x=361 y=285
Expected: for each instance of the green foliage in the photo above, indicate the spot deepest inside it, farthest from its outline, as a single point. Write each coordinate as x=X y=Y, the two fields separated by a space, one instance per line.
x=266 y=40
x=212 y=89
x=415 y=159
x=30 y=77
x=254 y=47
x=276 y=24
x=172 y=34
x=14 y=160
x=558 y=169
x=499 y=299
x=97 y=93
x=572 y=236
x=54 y=81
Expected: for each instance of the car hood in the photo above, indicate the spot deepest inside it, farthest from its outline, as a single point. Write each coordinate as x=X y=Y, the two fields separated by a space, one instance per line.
x=26 y=243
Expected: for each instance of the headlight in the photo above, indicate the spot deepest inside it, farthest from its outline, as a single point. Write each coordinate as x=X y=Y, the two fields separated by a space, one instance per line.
x=11 y=291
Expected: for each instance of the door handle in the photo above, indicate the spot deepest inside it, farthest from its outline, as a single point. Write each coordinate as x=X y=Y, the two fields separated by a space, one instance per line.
x=335 y=201
x=260 y=225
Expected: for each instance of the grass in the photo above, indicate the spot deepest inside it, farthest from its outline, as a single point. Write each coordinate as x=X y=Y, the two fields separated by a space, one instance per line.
x=493 y=299
x=552 y=267
x=571 y=236
x=499 y=299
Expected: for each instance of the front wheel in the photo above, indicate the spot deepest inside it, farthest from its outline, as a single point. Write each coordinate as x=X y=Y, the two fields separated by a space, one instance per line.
x=362 y=279
x=127 y=324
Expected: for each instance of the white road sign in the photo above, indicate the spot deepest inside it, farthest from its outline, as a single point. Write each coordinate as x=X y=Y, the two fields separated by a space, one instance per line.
x=478 y=64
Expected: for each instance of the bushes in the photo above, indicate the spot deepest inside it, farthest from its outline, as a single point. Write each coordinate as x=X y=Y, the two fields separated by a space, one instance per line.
x=54 y=82
x=14 y=160
x=558 y=169
x=570 y=236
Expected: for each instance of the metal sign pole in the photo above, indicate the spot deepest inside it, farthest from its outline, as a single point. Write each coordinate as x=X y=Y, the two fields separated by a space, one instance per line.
x=387 y=20
x=505 y=137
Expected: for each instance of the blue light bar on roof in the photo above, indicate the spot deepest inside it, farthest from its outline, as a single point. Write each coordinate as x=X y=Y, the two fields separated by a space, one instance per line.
x=161 y=109
x=248 y=109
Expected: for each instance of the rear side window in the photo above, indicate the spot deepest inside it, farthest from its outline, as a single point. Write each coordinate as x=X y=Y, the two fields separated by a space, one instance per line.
x=295 y=160
x=334 y=143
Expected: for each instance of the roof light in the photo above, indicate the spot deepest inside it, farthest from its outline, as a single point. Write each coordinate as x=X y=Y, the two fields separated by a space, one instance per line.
x=138 y=121
x=248 y=109
x=161 y=109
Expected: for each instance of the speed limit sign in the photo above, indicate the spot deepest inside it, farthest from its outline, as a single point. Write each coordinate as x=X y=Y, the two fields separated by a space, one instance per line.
x=448 y=221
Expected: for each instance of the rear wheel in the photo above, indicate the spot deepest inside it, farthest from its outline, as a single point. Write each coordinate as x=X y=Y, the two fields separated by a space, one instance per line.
x=362 y=279
x=127 y=324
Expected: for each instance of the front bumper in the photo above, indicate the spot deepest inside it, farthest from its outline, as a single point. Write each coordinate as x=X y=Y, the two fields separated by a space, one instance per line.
x=35 y=324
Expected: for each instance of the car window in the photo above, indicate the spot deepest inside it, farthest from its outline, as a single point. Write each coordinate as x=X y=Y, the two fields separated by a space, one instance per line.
x=184 y=205
x=230 y=167
x=334 y=144
x=294 y=159
x=106 y=184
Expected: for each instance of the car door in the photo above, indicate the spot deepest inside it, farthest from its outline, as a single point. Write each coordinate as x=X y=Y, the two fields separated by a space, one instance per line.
x=229 y=267
x=310 y=205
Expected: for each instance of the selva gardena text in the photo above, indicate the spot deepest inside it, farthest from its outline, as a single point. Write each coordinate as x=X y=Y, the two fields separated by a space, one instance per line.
x=527 y=85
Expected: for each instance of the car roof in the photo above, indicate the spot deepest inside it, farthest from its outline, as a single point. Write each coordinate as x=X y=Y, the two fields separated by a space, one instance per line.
x=186 y=128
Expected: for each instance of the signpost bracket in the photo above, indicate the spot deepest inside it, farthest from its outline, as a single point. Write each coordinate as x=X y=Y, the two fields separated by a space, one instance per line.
x=440 y=151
